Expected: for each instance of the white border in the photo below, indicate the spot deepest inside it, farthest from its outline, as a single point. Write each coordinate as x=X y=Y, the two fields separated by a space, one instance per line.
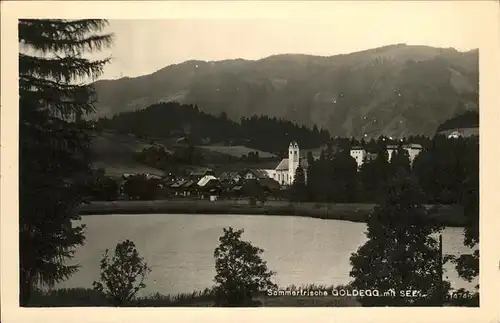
x=487 y=15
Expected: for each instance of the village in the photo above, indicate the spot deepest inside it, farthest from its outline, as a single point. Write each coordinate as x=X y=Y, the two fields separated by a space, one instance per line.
x=254 y=183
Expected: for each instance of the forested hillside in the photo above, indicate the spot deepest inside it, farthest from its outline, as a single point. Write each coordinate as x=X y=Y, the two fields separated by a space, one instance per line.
x=187 y=122
x=394 y=90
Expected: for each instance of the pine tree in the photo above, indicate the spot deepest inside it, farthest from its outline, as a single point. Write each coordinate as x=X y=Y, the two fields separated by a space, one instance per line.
x=299 y=189
x=401 y=252
x=400 y=160
x=53 y=99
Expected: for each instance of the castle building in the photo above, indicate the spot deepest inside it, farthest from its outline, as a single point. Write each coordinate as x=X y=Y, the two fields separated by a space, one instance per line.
x=360 y=154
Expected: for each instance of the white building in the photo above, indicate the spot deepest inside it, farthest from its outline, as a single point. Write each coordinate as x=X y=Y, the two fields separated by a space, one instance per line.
x=454 y=135
x=359 y=153
x=284 y=173
x=413 y=151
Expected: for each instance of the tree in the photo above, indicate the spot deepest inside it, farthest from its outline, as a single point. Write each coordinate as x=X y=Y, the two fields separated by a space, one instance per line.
x=382 y=171
x=310 y=157
x=400 y=253
x=240 y=270
x=343 y=178
x=254 y=191
x=123 y=275
x=467 y=265
x=400 y=159
x=317 y=179
x=299 y=188
x=139 y=187
x=369 y=184
x=103 y=188
x=53 y=145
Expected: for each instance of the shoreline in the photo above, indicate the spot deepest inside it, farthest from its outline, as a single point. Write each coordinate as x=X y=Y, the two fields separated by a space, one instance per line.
x=448 y=215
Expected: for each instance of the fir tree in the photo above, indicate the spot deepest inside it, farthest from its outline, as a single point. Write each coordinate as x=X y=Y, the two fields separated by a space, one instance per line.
x=53 y=98
x=400 y=160
x=401 y=252
x=299 y=189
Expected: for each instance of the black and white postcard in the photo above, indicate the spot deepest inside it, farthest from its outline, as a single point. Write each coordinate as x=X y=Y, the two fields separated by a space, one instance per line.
x=248 y=155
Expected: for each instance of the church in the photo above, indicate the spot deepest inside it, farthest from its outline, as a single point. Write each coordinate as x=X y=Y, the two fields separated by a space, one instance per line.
x=284 y=173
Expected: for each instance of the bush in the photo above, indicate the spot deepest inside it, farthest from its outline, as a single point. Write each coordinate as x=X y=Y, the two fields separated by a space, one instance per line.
x=123 y=275
x=103 y=188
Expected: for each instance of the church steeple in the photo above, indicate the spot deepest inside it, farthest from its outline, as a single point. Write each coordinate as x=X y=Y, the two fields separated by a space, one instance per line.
x=293 y=160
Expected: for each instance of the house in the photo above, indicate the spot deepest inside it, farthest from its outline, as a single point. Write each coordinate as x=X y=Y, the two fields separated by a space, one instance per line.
x=359 y=154
x=153 y=176
x=413 y=151
x=205 y=179
x=188 y=188
x=233 y=177
x=177 y=186
x=198 y=173
x=454 y=135
x=254 y=174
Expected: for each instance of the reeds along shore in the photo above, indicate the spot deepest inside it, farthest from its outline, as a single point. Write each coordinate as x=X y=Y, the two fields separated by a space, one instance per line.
x=205 y=298
x=448 y=215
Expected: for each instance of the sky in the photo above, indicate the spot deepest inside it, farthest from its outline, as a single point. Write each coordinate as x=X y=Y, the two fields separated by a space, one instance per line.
x=145 y=46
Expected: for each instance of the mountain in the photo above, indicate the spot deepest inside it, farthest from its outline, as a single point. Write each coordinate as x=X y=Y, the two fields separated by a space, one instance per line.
x=465 y=124
x=394 y=90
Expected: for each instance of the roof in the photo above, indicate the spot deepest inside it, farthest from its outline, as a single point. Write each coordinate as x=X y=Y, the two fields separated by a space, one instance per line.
x=200 y=171
x=414 y=146
x=259 y=173
x=228 y=175
x=212 y=183
x=188 y=184
x=357 y=148
x=283 y=165
x=205 y=180
x=178 y=183
x=269 y=172
x=392 y=147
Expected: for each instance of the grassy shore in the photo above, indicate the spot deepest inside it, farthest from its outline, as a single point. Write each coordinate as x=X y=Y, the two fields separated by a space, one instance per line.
x=75 y=297
x=83 y=297
x=448 y=215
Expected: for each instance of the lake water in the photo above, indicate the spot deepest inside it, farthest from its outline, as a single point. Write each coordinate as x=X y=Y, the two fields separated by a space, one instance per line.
x=179 y=248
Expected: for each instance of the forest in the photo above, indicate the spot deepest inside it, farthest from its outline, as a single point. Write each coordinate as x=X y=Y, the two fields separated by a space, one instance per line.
x=166 y=120
x=445 y=170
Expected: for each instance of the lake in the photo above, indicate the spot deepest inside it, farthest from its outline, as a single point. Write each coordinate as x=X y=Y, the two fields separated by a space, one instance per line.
x=179 y=248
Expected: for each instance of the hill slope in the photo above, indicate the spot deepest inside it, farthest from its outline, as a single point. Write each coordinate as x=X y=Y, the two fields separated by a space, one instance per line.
x=393 y=90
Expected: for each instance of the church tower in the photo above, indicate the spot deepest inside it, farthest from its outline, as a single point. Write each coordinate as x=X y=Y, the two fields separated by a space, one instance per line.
x=293 y=160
